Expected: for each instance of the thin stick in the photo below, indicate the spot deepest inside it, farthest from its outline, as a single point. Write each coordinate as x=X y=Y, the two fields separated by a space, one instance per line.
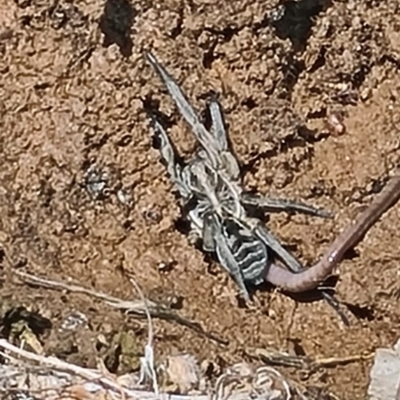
x=273 y=357
x=91 y=375
x=156 y=310
x=354 y=233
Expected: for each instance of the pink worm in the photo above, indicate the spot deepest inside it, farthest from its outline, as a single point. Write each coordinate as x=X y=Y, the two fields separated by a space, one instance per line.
x=353 y=234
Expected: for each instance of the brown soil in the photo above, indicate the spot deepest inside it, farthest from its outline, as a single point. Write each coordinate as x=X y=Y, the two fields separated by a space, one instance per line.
x=74 y=88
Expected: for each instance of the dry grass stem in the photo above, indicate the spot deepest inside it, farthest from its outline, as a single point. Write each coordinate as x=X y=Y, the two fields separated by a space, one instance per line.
x=137 y=307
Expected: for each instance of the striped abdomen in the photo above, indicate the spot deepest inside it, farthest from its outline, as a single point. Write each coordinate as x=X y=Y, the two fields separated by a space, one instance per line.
x=249 y=252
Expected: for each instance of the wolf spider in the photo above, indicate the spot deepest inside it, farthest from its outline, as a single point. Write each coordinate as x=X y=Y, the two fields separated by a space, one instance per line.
x=211 y=184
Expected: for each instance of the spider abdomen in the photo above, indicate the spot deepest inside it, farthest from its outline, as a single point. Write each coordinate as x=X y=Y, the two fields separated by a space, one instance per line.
x=249 y=252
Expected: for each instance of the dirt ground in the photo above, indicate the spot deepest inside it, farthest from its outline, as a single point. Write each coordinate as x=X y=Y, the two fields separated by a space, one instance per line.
x=85 y=199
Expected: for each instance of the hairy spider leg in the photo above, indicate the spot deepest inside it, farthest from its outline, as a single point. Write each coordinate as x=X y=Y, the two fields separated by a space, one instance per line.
x=168 y=155
x=225 y=255
x=204 y=137
x=293 y=264
x=279 y=204
x=218 y=126
x=273 y=243
x=209 y=232
x=218 y=129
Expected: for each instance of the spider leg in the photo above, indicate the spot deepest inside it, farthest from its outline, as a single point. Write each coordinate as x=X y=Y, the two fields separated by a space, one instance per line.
x=218 y=129
x=209 y=233
x=204 y=137
x=226 y=258
x=293 y=264
x=218 y=126
x=168 y=155
x=273 y=243
x=279 y=204
x=229 y=263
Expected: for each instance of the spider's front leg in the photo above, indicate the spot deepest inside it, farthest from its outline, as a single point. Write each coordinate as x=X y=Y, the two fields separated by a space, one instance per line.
x=279 y=205
x=218 y=129
x=204 y=137
x=168 y=154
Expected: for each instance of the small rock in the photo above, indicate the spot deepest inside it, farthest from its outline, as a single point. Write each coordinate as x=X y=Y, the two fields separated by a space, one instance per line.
x=385 y=375
x=182 y=372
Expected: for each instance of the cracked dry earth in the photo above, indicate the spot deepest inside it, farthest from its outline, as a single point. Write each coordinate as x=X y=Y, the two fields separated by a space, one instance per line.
x=85 y=198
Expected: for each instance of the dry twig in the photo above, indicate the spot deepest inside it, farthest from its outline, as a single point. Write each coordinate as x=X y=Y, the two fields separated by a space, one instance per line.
x=136 y=307
x=273 y=357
